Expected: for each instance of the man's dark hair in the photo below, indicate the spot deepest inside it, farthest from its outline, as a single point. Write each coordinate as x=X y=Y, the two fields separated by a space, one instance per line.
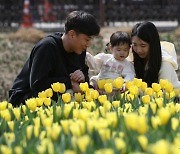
x=82 y=22
x=119 y=37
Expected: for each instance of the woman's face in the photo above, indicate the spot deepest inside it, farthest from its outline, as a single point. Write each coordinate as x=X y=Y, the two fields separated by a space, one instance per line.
x=140 y=47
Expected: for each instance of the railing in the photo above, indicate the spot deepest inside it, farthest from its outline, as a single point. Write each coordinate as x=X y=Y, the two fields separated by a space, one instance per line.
x=106 y=11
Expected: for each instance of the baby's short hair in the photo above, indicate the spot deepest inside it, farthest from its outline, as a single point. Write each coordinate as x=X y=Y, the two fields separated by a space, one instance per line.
x=120 y=37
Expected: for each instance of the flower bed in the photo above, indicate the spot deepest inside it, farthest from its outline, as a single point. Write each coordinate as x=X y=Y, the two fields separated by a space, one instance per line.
x=141 y=120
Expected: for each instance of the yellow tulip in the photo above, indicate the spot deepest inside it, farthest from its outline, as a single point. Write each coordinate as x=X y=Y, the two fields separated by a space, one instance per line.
x=56 y=129
x=47 y=122
x=84 y=86
x=169 y=87
x=36 y=131
x=149 y=91
x=134 y=90
x=142 y=124
x=65 y=125
x=11 y=125
x=83 y=142
x=177 y=107
x=78 y=97
x=163 y=83
x=153 y=107
x=95 y=94
x=66 y=97
x=164 y=115
x=5 y=114
x=143 y=86
x=131 y=121
x=69 y=152
x=24 y=108
x=155 y=121
x=101 y=84
x=42 y=94
x=170 y=94
x=118 y=83
x=102 y=99
x=56 y=87
x=119 y=143
x=174 y=123
x=104 y=151
x=37 y=121
x=146 y=99
x=49 y=92
x=105 y=134
x=160 y=147
x=16 y=112
x=18 y=150
x=159 y=102
x=31 y=103
x=5 y=149
x=29 y=130
x=108 y=88
x=137 y=82
x=3 y=105
x=129 y=84
x=116 y=104
x=47 y=101
x=143 y=142
x=39 y=101
x=67 y=109
x=156 y=87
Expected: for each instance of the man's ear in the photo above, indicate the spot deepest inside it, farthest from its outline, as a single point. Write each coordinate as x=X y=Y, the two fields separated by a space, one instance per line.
x=71 y=33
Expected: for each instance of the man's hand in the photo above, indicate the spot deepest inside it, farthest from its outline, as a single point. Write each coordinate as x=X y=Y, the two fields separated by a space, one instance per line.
x=77 y=76
x=75 y=87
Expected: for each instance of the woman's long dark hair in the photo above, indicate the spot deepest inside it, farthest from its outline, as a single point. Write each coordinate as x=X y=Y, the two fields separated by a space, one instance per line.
x=147 y=32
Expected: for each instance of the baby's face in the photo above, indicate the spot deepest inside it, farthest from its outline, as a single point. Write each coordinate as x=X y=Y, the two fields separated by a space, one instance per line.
x=121 y=51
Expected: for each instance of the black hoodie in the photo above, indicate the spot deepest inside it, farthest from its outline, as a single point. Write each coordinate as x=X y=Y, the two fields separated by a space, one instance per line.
x=48 y=63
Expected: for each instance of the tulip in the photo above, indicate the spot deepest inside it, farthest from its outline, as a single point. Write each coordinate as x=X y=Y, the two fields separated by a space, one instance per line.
x=146 y=99
x=143 y=86
x=102 y=99
x=47 y=101
x=16 y=112
x=164 y=115
x=163 y=83
x=101 y=84
x=116 y=104
x=66 y=97
x=155 y=121
x=137 y=82
x=108 y=88
x=118 y=83
x=49 y=92
x=78 y=97
x=143 y=142
x=156 y=87
x=149 y=91
x=31 y=103
x=174 y=123
x=3 y=105
x=84 y=86
x=11 y=125
x=120 y=144
x=83 y=142
x=29 y=130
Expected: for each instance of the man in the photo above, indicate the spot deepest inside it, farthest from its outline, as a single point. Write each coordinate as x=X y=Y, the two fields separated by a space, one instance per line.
x=57 y=58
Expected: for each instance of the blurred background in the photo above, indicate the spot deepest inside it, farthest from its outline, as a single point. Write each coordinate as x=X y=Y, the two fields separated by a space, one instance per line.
x=24 y=22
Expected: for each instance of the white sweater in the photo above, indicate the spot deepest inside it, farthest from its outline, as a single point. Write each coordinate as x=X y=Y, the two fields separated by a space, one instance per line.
x=110 y=68
x=169 y=64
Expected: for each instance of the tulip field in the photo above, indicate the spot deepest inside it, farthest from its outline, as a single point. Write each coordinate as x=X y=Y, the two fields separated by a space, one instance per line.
x=141 y=120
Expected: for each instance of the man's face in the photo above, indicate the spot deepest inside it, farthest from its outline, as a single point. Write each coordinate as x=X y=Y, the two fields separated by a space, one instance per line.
x=80 y=42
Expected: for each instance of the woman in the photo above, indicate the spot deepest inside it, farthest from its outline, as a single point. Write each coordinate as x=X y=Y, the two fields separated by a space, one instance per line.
x=151 y=61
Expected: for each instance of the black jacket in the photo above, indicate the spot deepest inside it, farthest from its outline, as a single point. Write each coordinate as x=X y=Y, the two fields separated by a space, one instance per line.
x=48 y=63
